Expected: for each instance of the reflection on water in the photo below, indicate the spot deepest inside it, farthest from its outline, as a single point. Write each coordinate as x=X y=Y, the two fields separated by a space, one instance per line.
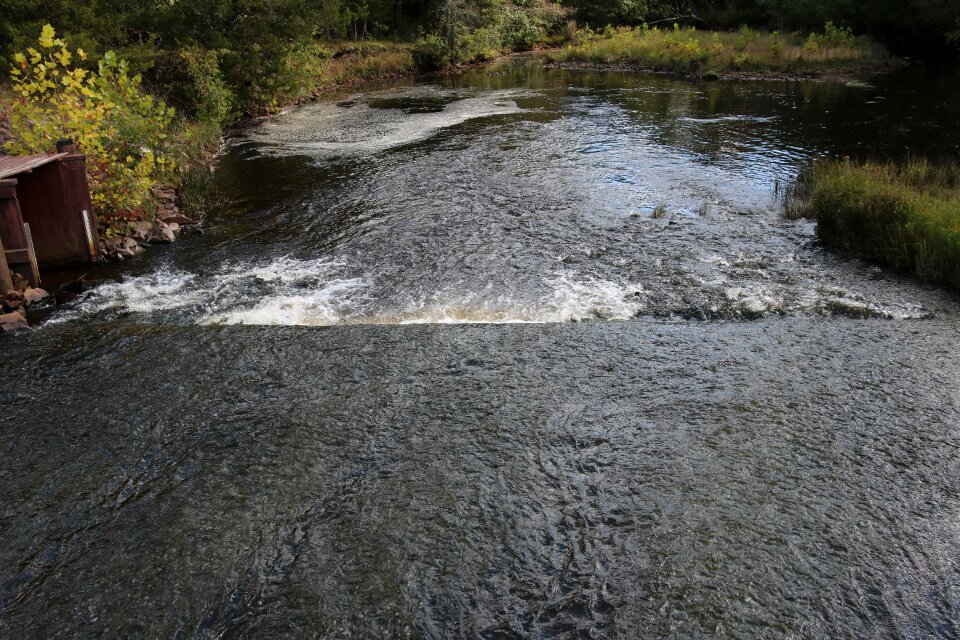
x=577 y=377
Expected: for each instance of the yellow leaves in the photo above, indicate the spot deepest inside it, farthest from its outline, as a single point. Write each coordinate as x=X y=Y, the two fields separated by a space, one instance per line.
x=47 y=35
x=120 y=128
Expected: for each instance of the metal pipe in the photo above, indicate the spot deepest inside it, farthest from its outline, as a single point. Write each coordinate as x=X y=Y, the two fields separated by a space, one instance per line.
x=91 y=241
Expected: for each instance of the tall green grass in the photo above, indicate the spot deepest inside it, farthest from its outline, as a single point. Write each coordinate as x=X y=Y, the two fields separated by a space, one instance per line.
x=688 y=50
x=906 y=216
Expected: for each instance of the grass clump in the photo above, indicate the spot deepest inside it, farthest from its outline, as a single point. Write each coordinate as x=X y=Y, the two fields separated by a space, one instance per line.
x=905 y=216
x=690 y=51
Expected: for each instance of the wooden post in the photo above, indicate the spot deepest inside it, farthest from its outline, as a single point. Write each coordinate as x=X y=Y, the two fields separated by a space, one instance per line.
x=6 y=282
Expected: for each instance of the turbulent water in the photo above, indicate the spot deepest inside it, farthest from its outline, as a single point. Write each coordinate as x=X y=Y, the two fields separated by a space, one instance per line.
x=577 y=377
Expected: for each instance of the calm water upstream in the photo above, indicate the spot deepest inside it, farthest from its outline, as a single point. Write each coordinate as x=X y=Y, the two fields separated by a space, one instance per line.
x=523 y=353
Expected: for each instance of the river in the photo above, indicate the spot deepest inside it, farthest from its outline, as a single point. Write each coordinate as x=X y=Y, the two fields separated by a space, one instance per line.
x=516 y=353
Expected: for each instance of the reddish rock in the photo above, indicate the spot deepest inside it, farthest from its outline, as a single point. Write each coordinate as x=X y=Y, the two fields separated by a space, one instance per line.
x=162 y=234
x=31 y=296
x=13 y=321
x=121 y=247
x=177 y=218
x=13 y=300
x=20 y=283
x=140 y=230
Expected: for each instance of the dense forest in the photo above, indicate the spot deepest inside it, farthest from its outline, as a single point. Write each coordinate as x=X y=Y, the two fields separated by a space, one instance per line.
x=255 y=37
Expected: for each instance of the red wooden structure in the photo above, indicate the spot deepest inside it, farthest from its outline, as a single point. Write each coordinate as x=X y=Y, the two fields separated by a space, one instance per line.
x=46 y=215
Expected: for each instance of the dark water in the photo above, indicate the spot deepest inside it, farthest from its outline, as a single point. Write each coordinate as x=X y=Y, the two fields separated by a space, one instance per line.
x=524 y=353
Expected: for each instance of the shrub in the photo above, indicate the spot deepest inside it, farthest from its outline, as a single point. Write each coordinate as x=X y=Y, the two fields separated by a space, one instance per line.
x=834 y=36
x=121 y=129
x=520 y=31
x=212 y=99
x=743 y=39
x=431 y=53
x=480 y=45
x=775 y=44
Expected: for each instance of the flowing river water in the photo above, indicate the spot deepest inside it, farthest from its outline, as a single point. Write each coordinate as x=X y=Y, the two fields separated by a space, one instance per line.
x=518 y=353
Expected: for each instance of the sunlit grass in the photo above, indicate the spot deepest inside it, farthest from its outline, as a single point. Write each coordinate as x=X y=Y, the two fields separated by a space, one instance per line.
x=689 y=50
x=906 y=216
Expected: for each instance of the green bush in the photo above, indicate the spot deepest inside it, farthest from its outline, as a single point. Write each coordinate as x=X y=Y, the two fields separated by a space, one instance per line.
x=431 y=53
x=519 y=31
x=480 y=45
x=212 y=99
x=834 y=36
x=744 y=37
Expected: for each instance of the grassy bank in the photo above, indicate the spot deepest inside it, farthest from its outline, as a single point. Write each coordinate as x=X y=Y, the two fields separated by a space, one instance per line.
x=695 y=52
x=905 y=216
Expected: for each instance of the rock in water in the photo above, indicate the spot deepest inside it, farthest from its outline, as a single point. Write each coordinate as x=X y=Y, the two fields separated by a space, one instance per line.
x=14 y=321
x=178 y=218
x=141 y=229
x=34 y=295
x=162 y=234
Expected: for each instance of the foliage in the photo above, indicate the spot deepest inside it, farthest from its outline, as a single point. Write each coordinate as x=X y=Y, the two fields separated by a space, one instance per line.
x=431 y=53
x=212 y=99
x=121 y=129
x=905 y=216
x=520 y=30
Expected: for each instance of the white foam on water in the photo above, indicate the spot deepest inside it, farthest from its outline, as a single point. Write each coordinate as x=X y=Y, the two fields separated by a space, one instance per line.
x=569 y=300
x=328 y=305
x=576 y=300
x=323 y=292
x=327 y=129
x=158 y=291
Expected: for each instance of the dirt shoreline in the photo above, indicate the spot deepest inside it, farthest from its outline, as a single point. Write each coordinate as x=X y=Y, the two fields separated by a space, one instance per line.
x=852 y=74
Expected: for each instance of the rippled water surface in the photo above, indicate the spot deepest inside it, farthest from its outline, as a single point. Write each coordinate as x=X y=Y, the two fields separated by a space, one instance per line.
x=520 y=353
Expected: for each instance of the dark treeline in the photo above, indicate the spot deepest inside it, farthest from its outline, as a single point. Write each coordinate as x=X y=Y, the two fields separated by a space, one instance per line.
x=253 y=41
x=907 y=25
x=264 y=25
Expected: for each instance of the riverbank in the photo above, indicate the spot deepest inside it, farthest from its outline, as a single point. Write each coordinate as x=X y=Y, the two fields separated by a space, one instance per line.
x=905 y=216
x=834 y=54
x=181 y=200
